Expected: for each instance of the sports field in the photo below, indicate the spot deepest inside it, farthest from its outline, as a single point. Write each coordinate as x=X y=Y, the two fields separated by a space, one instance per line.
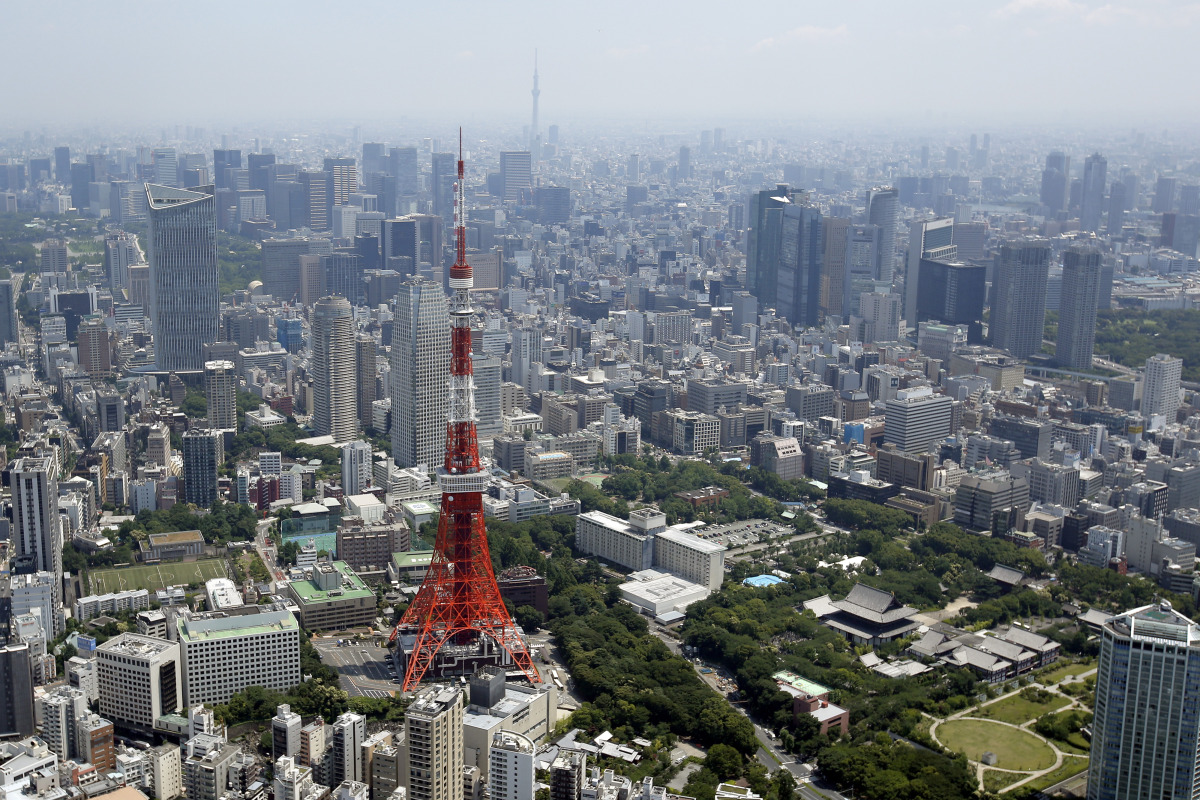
x=156 y=576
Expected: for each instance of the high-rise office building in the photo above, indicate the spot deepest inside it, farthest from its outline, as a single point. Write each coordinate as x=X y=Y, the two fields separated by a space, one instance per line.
x=917 y=418
x=433 y=733
x=165 y=164
x=933 y=239
x=315 y=189
x=281 y=265
x=37 y=527
x=357 y=463
x=9 y=318
x=683 y=170
x=335 y=402
x=120 y=253
x=487 y=372
x=1116 y=209
x=420 y=374
x=366 y=361
x=185 y=281
x=406 y=168
x=883 y=210
x=1095 y=173
x=349 y=732
x=1160 y=394
x=225 y=160
x=833 y=282
x=220 y=388
x=342 y=274
x=441 y=184
x=516 y=174
x=62 y=165
x=952 y=292
x=800 y=265
x=861 y=264
x=1056 y=182
x=1018 y=313
x=762 y=241
x=1146 y=732
x=222 y=654
x=343 y=180
x=1077 y=309
x=203 y=456
x=1165 y=190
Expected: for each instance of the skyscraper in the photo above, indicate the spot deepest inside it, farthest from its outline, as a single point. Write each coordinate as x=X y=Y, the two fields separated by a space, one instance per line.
x=1146 y=732
x=762 y=241
x=926 y=239
x=441 y=185
x=335 y=402
x=1019 y=296
x=62 y=165
x=1095 y=172
x=1056 y=182
x=343 y=180
x=683 y=171
x=883 y=209
x=861 y=264
x=405 y=167
x=356 y=467
x=487 y=394
x=8 y=309
x=952 y=292
x=95 y=347
x=420 y=373
x=516 y=174
x=203 y=455
x=184 y=276
x=1161 y=392
x=801 y=265
x=37 y=527
x=315 y=186
x=917 y=418
x=17 y=716
x=1077 y=309
x=166 y=166
x=220 y=388
x=366 y=369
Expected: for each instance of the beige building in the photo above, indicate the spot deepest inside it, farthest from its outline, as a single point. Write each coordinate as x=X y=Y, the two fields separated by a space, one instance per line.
x=433 y=730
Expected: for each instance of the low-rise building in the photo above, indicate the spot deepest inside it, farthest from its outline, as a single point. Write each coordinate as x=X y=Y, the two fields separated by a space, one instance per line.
x=810 y=697
x=334 y=599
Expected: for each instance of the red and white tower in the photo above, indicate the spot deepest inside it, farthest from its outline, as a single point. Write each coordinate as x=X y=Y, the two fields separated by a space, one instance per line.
x=459 y=601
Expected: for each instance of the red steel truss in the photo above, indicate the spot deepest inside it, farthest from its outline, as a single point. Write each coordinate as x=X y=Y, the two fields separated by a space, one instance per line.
x=459 y=600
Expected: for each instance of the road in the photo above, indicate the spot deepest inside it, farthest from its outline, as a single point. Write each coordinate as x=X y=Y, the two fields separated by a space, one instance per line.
x=265 y=547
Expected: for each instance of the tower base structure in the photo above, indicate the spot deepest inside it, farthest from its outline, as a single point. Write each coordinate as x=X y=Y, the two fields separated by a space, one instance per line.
x=456 y=659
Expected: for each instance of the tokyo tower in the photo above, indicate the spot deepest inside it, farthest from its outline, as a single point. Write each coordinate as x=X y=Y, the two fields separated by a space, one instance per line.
x=459 y=601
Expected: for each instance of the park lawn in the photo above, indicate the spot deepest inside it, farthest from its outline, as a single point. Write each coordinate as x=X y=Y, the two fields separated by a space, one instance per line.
x=1072 y=765
x=156 y=576
x=1058 y=673
x=1014 y=748
x=1018 y=710
x=994 y=780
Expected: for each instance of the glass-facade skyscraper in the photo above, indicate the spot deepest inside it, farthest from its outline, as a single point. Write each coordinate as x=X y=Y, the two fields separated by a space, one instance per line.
x=1146 y=730
x=1019 y=296
x=185 y=292
x=1077 y=309
x=420 y=374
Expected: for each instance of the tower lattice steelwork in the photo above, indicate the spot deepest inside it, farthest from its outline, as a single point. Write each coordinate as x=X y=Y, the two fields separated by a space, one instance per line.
x=459 y=600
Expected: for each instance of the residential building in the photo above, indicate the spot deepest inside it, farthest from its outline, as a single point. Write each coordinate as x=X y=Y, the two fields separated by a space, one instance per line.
x=37 y=527
x=1160 y=394
x=220 y=389
x=349 y=733
x=510 y=767
x=285 y=733
x=335 y=404
x=433 y=733
x=203 y=456
x=1077 y=310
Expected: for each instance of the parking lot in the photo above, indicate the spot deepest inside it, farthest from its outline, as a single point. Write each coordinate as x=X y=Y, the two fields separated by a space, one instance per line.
x=364 y=668
x=749 y=531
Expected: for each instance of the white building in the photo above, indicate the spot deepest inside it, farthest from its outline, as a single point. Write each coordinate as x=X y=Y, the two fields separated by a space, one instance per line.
x=285 y=732
x=222 y=655
x=222 y=594
x=60 y=711
x=82 y=675
x=510 y=767
x=333 y=365
x=657 y=593
x=349 y=732
x=166 y=770
x=1160 y=394
x=420 y=373
x=95 y=605
x=916 y=419
x=690 y=557
x=37 y=527
x=140 y=680
x=627 y=544
x=270 y=463
x=357 y=466
x=35 y=594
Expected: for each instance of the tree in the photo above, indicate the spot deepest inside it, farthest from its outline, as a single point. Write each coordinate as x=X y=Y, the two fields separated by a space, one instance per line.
x=725 y=762
x=784 y=784
x=529 y=618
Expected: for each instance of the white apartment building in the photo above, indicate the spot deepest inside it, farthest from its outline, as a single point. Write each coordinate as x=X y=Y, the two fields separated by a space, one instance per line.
x=139 y=679
x=60 y=711
x=916 y=419
x=690 y=557
x=510 y=767
x=223 y=655
x=1161 y=392
x=94 y=605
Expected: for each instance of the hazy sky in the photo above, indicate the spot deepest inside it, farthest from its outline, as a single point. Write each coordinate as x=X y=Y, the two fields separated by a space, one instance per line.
x=1130 y=63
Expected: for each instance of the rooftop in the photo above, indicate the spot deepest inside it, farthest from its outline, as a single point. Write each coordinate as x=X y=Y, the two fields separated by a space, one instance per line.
x=208 y=628
x=350 y=587
x=176 y=537
x=800 y=684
